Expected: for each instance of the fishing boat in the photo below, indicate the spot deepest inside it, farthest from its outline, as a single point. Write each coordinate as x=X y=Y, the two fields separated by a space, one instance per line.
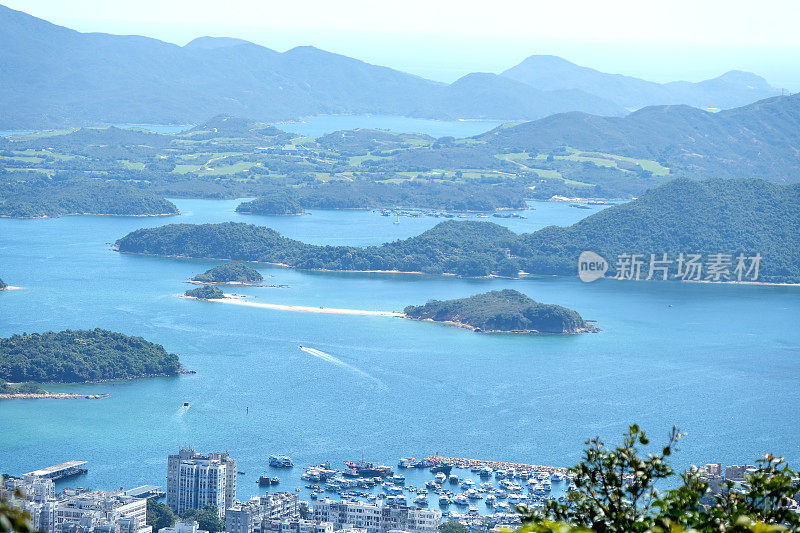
x=421 y=500
x=440 y=477
x=365 y=469
x=444 y=500
x=444 y=468
x=280 y=461
x=264 y=480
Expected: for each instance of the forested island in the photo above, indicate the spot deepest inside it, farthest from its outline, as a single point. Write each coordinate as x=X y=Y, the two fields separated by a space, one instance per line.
x=233 y=273
x=505 y=311
x=206 y=292
x=283 y=203
x=82 y=356
x=80 y=197
x=684 y=216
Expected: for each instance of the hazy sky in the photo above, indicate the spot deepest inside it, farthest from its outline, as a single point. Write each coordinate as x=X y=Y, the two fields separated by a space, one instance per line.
x=658 y=40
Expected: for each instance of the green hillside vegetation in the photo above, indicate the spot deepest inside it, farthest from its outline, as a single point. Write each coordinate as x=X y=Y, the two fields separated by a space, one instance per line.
x=123 y=171
x=81 y=197
x=755 y=141
x=230 y=273
x=77 y=356
x=683 y=216
x=283 y=203
x=502 y=311
x=20 y=388
x=206 y=292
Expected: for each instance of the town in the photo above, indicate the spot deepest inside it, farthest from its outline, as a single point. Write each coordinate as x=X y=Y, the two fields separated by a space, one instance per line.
x=195 y=481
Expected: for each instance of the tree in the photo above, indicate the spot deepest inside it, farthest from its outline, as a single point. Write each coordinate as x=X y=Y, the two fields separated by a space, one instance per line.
x=509 y=268
x=616 y=493
x=451 y=526
x=12 y=519
x=159 y=515
x=207 y=517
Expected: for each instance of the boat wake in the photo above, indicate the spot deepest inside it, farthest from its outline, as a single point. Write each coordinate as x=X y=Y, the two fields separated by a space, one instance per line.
x=338 y=362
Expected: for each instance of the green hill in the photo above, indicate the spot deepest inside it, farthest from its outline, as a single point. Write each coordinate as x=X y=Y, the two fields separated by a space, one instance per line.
x=755 y=141
x=729 y=217
x=502 y=311
x=230 y=273
x=206 y=292
x=76 y=356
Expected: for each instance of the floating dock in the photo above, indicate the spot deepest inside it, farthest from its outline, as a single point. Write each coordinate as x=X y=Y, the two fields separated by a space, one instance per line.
x=68 y=469
x=459 y=462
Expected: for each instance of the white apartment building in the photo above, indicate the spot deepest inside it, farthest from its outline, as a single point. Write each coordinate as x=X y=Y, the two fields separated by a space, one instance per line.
x=248 y=517
x=100 y=512
x=194 y=481
x=376 y=518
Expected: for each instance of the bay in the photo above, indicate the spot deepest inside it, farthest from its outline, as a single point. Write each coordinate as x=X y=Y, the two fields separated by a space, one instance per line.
x=720 y=361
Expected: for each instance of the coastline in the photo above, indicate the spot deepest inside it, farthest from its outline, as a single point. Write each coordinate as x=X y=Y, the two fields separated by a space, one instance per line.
x=89 y=215
x=51 y=396
x=535 y=332
x=238 y=300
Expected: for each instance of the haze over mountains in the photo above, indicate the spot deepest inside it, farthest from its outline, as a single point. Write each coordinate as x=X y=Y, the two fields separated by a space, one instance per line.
x=55 y=76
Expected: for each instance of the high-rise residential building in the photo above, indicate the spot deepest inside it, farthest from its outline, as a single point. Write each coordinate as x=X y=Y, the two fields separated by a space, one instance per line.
x=194 y=481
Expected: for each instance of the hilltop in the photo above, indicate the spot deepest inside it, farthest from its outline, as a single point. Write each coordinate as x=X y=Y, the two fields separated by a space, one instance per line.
x=552 y=73
x=757 y=140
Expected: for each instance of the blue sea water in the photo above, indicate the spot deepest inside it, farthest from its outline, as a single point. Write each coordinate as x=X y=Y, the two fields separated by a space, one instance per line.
x=722 y=362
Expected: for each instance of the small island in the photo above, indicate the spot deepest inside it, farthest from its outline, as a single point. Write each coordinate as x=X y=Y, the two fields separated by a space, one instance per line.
x=278 y=204
x=3 y=285
x=206 y=292
x=230 y=274
x=505 y=311
x=78 y=356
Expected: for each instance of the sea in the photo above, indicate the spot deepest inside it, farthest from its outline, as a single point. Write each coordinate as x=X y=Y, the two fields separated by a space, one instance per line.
x=722 y=362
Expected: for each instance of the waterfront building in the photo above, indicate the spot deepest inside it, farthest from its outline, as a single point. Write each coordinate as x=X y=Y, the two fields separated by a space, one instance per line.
x=194 y=481
x=101 y=512
x=183 y=527
x=377 y=517
x=737 y=472
x=249 y=516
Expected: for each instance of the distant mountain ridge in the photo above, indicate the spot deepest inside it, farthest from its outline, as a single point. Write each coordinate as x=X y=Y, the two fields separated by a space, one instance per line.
x=552 y=73
x=760 y=140
x=54 y=76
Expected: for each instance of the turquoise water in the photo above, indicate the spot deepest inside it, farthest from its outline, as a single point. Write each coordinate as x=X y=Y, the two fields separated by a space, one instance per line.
x=722 y=362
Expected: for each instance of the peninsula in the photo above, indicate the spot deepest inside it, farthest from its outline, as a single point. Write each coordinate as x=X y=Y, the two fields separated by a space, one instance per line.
x=749 y=217
x=230 y=274
x=505 y=311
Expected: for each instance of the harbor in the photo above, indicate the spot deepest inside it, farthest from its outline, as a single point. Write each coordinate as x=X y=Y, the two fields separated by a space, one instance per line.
x=494 y=465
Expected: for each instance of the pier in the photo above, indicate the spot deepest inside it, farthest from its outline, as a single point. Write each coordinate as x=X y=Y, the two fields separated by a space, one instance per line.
x=68 y=469
x=459 y=462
